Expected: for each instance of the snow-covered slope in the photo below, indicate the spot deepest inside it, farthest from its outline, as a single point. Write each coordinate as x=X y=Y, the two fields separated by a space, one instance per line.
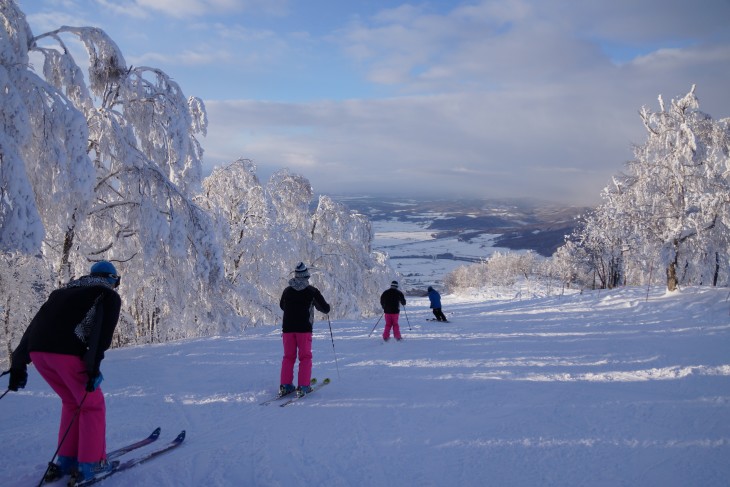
x=603 y=389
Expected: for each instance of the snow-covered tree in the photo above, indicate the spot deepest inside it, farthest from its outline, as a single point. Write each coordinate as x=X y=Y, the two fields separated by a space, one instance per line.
x=142 y=140
x=682 y=190
x=601 y=241
x=25 y=281
x=472 y=276
x=671 y=206
x=46 y=177
x=268 y=230
x=563 y=268
x=501 y=269
x=244 y=219
x=44 y=163
x=351 y=273
x=107 y=170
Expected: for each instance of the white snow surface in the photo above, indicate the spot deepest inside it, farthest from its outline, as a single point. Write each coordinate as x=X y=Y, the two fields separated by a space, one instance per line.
x=605 y=388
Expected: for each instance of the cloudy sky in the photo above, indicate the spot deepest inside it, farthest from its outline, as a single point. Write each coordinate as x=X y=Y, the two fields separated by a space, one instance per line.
x=486 y=98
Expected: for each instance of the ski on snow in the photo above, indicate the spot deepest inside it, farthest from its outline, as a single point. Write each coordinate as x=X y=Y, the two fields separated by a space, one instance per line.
x=297 y=398
x=128 y=448
x=121 y=466
x=133 y=446
x=312 y=382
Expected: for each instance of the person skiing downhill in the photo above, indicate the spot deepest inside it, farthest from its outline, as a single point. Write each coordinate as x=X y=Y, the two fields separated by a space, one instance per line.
x=298 y=302
x=66 y=341
x=435 y=299
x=390 y=300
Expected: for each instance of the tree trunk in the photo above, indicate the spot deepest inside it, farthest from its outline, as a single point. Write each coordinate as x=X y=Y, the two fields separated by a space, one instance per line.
x=64 y=272
x=672 y=276
x=672 y=280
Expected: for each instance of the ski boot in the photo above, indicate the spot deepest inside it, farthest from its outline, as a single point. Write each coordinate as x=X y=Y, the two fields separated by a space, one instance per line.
x=303 y=390
x=89 y=470
x=64 y=466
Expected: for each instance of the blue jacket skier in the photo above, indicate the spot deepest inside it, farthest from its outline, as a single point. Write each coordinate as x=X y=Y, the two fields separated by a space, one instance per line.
x=435 y=299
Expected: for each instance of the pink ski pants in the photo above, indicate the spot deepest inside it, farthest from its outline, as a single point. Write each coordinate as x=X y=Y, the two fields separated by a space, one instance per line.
x=297 y=344
x=66 y=374
x=391 y=321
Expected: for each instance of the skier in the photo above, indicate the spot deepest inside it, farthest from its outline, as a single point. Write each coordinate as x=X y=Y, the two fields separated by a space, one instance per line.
x=66 y=341
x=435 y=299
x=298 y=302
x=390 y=300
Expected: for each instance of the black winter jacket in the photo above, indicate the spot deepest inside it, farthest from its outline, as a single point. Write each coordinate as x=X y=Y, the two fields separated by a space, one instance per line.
x=78 y=319
x=391 y=300
x=298 y=302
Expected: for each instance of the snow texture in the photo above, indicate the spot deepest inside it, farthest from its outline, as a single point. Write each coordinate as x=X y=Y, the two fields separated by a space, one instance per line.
x=604 y=388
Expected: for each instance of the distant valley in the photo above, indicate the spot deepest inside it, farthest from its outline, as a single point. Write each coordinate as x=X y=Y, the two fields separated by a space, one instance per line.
x=425 y=239
x=520 y=224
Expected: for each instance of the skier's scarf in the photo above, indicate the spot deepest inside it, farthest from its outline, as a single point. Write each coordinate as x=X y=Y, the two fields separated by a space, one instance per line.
x=299 y=283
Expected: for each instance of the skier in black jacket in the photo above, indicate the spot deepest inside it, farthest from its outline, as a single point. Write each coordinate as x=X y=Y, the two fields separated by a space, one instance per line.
x=390 y=300
x=66 y=341
x=298 y=302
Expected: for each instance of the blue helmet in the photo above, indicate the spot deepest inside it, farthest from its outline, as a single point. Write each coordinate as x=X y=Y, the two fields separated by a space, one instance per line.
x=106 y=269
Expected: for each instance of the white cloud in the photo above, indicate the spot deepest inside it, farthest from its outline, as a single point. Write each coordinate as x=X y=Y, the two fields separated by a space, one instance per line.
x=128 y=9
x=191 y=8
x=464 y=142
x=498 y=97
x=49 y=21
x=200 y=57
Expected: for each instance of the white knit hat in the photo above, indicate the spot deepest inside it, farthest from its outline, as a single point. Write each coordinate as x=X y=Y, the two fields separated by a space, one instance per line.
x=301 y=270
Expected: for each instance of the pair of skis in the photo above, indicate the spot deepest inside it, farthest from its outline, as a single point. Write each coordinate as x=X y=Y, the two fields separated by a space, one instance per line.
x=119 y=466
x=279 y=396
x=293 y=397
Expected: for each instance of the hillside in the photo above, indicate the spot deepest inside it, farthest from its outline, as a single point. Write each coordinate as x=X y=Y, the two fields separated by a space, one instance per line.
x=604 y=388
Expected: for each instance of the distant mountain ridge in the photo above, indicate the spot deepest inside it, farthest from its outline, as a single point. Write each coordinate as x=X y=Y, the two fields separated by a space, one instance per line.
x=522 y=224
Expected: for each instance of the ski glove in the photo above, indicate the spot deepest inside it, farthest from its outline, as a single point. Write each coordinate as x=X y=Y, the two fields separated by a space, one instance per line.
x=18 y=379
x=94 y=382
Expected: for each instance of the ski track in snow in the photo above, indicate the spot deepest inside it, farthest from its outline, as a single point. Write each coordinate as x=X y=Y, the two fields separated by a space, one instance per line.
x=603 y=389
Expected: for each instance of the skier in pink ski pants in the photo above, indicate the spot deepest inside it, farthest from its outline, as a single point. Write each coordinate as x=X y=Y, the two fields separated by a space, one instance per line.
x=390 y=300
x=66 y=341
x=298 y=302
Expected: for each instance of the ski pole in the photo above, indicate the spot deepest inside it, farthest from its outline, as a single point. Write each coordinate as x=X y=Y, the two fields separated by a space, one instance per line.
x=5 y=373
x=76 y=415
x=409 y=321
x=376 y=324
x=333 y=346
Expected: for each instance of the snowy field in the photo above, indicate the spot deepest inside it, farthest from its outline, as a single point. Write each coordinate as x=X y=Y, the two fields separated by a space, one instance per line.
x=413 y=240
x=606 y=388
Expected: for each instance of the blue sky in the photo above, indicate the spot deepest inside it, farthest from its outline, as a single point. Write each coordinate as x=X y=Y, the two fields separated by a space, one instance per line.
x=499 y=98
